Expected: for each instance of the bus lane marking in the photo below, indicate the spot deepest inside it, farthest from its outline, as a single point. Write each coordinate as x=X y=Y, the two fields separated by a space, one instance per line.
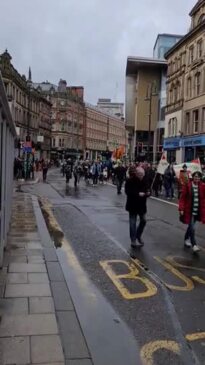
x=148 y=350
x=189 y=285
x=172 y=261
x=133 y=274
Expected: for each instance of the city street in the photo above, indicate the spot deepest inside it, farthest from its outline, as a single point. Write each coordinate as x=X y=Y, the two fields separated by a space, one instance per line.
x=157 y=292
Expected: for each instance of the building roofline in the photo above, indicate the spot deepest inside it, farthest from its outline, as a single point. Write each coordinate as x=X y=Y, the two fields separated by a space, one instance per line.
x=196 y=7
x=165 y=35
x=95 y=108
x=145 y=61
x=185 y=38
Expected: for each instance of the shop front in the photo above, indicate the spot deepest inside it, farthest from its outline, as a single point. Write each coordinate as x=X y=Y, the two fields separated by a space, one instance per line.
x=194 y=147
x=172 y=147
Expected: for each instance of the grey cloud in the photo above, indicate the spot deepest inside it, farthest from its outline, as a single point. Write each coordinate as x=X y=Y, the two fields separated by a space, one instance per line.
x=86 y=41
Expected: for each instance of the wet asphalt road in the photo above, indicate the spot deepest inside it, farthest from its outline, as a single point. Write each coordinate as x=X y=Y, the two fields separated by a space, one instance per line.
x=159 y=293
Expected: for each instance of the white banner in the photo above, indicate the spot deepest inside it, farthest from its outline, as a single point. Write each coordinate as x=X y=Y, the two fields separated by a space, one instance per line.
x=191 y=167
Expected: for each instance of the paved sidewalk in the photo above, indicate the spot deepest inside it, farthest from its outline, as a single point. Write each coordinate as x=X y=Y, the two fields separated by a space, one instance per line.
x=38 y=321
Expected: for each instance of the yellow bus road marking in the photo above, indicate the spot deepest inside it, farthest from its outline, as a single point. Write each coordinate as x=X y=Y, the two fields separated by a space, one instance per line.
x=148 y=350
x=189 y=285
x=196 y=336
x=132 y=274
x=172 y=261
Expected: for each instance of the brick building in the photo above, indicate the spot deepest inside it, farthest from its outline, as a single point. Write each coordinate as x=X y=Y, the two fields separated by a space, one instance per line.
x=67 y=117
x=103 y=132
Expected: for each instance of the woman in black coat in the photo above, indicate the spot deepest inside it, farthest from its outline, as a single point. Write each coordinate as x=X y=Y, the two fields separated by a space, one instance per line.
x=137 y=191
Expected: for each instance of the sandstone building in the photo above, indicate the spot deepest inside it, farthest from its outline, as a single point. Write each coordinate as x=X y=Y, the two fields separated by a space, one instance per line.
x=31 y=112
x=185 y=110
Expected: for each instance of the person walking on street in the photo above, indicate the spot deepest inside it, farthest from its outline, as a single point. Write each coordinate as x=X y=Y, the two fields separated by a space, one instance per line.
x=183 y=179
x=77 y=171
x=136 y=189
x=169 y=179
x=45 y=169
x=192 y=208
x=95 y=172
x=157 y=184
x=120 y=175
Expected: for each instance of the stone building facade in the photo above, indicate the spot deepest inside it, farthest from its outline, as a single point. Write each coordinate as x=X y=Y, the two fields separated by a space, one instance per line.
x=185 y=110
x=31 y=112
x=67 y=117
x=103 y=133
x=114 y=108
x=144 y=111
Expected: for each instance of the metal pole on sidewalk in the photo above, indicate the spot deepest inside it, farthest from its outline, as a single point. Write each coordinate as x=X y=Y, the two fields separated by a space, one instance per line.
x=151 y=91
x=28 y=137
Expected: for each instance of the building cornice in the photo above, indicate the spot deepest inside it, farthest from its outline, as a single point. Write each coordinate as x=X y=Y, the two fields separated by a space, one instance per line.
x=186 y=38
x=196 y=7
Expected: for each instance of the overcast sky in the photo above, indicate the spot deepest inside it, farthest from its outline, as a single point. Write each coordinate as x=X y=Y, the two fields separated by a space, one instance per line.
x=86 y=42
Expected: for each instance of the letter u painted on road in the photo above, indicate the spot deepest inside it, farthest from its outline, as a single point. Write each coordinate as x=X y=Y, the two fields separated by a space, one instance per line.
x=188 y=283
x=132 y=274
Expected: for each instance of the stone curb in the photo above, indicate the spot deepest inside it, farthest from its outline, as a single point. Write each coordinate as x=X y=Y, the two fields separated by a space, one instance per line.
x=73 y=341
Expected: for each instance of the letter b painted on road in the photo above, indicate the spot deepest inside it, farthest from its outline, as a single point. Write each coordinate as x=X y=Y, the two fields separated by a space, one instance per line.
x=133 y=274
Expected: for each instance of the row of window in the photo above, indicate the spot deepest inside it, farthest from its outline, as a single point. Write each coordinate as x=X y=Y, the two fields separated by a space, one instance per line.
x=99 y=135
x=21 y=98
x=62 y=142
x=194 y=123
x=172 y=127
x=97 y=117
x=194 y=53
x=195 y=86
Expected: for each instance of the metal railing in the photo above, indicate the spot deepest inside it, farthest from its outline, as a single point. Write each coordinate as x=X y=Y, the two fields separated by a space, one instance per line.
x=7 y=136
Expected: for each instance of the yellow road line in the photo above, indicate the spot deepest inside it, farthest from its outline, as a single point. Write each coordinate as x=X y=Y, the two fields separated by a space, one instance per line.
x=147 y=352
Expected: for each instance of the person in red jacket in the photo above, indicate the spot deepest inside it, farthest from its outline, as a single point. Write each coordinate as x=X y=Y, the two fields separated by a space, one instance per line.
x=192 y=208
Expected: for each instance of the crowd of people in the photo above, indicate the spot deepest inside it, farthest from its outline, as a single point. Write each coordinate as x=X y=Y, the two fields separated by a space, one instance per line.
x=141 y=180
x=25 y=168
x=191 y=190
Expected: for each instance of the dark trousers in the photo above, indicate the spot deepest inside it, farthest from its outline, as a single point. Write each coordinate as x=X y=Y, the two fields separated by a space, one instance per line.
x=190 y=233
x=169 y=191
x=119 y=185
x=95 y=179
x=45 y=174
x=136 y=232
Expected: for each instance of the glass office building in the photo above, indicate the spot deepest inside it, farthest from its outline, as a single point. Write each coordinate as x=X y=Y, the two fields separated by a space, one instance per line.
x=163 y=44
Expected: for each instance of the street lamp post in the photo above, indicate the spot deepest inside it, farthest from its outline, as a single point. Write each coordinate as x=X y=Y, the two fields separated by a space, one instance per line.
x=28 y=137
x=151 y=91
